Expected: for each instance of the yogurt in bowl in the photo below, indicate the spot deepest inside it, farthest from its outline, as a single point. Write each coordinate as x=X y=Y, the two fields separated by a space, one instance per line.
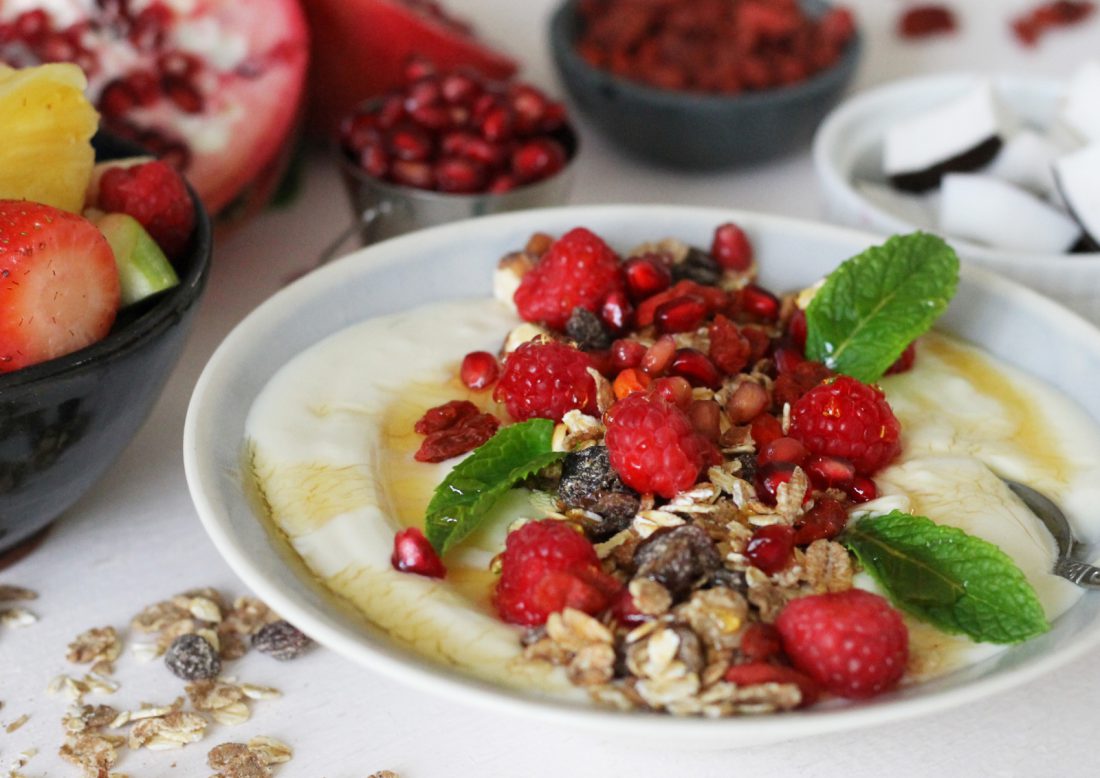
x=369 y=491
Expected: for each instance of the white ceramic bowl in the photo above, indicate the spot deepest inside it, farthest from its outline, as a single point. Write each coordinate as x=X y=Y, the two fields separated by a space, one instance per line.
x=848 y=147
x=456 y=261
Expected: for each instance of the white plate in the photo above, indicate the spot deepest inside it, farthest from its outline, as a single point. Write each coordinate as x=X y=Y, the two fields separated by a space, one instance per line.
x=456 y=261
x=848 y=146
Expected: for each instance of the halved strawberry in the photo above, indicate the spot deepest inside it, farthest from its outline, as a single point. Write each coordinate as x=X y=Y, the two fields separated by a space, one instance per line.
x=59 y=287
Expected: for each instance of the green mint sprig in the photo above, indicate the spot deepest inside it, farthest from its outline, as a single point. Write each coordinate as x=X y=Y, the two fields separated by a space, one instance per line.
x=954 y=581
x=876 y=303
x=462 y=500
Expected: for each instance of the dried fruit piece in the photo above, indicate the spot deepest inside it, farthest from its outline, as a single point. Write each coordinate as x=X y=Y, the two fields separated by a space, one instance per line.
x=680 y=559
x=281 y=639
x=192 y=658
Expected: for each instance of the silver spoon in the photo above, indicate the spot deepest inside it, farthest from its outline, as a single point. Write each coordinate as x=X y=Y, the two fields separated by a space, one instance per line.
x=1080 y=573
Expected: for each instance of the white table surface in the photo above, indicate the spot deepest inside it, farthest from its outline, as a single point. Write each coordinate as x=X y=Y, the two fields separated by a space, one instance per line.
x=136 y=539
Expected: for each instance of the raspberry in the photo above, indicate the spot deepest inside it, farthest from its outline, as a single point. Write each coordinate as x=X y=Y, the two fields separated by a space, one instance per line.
x=545 y=379
x=852 y=643
x=654 y=447
x=847 y=419
x=578 y=270
x=547 y=566
x=155 y=195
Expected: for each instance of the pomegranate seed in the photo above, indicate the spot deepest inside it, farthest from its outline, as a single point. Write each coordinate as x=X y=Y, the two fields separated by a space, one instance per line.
x=696 y=367
x=553 y=117
x=783 y=450
x=796 y=328
x=748 y=401
x=673 y=389
x=787 y=360
x=629 y=381
x=529 y=107
x=117 y=99
x=706 y=417
x=479 y=369
x=148 y=30
x=56 y=48
x=625 y=611
x=765 y=428
x=415 y=174
x=425 y=92
x=538 y=159
x=646 y=276
x=410 y=143
x=182 y=94
x=904 y=363
x=617 y=312
x=374 y=160
x=601 y=362
x=431 y=117
x=770 y=548
x=861 y=489
x=32 y=26
x=455 y=174
x=503 y=183
x=484 y=152
x=830 y=472
x=824 y=521
x=680 y=314
x=731 y=248
x=417 y=68
x=178 y=64
x=412 y=553
x=626 y=353
x=497 y=125
x=460 y=89
x=391 y=112
x=759 y=302
x=760 y=641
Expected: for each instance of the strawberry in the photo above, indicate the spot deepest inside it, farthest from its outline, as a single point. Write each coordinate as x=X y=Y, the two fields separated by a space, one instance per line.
x=59 y=285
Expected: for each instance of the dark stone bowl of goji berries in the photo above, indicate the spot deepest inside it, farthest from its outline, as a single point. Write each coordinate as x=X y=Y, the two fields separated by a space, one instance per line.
x=705 y=85
x=64 y=421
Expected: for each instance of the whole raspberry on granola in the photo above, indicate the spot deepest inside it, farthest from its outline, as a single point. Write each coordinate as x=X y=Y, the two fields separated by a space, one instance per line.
x=155 y=195
x=654 y=447
x=846 y=418
x=544 y=379
x=547 y=566
x=853 y=643
x=578 y=270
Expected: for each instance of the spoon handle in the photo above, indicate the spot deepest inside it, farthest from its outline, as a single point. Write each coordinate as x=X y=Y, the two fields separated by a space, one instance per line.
x=1080 y=573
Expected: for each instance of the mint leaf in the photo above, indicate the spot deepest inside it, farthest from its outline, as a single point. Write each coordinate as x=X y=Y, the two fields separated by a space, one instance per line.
x=876 y=303
x=942 y=575
x=465 y=496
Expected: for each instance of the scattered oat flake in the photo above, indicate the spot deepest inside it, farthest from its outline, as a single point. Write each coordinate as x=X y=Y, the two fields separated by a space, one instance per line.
x=83 y=718
x=236 y=760
x=96 y=754
x=20 y=762
x=384 y=774
x=99 y=644
x=174 y=730
x=270 y=750
x=16 y=617
x=17 y=723
x=9 y=593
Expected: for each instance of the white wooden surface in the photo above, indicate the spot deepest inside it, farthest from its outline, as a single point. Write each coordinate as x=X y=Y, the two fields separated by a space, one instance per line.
x=136 y=539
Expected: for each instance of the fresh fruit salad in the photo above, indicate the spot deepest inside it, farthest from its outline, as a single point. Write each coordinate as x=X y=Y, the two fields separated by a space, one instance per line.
x=78 y=240
x=680 y=491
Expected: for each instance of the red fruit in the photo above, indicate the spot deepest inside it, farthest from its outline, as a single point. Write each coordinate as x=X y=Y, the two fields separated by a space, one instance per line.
x=460 y=176
x=729 y=350
x=479 y=369
x=764 y=429
x=714 y=297
x=578 y=269
x=798 y=377
x=646 y=275
x=696 y=368
x=824 y=521
x=758 y=302
x=829 y=472
x=769 y=477
x=445 y=416
x=361 y=49
x=653 y=446
x=731 y=248
x=659 y=356
x=546 y=379
x=625 y=611
x=626 y=353
x=617 y=312
x=787 y=359
x=904 y=363
x=861 y=489
x=706 y=417
x=796 y=329
x=59 y=288
x=852 y=643
x=537 y=159
x=770 y=547
x=848 y=419
x=760 y=641
x=756 y=673
x=419 y=175
x=680 y=314
x=672 y=389
x=412 y=553
x=410 y=143
x=923 y=21
x=464 y=435
x=748 y=401
x=155 y=195
x=220 y=112
x=548 y=566
x=782 y=450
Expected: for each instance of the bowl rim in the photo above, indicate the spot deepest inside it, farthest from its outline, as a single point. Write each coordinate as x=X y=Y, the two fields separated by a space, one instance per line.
x=837 y=128
x=563 y=38
x=406 y=667
x=148 y=326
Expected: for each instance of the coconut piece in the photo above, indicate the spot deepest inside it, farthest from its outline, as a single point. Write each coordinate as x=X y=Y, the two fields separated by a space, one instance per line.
x=1027 y=161
x=1078 y=176
x=917 y=209
x=986 y=209
x=962 y=134
x=1081 y=108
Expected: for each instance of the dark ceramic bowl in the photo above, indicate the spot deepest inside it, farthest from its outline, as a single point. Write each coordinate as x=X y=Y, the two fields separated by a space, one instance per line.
x=698 y=131
x=65 y=421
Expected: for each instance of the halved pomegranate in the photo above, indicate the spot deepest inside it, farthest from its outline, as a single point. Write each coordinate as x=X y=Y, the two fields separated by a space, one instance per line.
x=213 y=86
x=361 y=48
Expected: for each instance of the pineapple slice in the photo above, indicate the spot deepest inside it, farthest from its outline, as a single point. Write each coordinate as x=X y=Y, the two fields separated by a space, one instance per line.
x=47 y=124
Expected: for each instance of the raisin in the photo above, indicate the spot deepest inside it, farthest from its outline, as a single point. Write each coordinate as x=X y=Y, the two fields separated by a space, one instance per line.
x=192 y=658
x=281 y=639
x=680 y=559
x=616 y=510
x=588 y=482
x=698 y=266
x=445 y=416
x=587 y=330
